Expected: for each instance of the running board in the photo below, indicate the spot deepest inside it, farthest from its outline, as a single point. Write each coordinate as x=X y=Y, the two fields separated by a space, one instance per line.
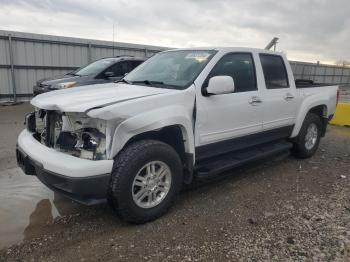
x=219 y=164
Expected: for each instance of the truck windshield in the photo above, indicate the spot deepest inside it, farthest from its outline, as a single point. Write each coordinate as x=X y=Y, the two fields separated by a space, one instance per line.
x=172 y=69
x=95 y=67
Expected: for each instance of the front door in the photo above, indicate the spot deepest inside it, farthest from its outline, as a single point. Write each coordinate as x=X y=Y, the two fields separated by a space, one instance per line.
x=222 y=118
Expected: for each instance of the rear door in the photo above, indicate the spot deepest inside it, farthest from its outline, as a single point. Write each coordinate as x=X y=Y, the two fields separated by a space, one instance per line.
x=221 y=119
x=279 y=96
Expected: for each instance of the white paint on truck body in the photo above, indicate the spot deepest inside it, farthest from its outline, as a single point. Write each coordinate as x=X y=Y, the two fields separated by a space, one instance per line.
x=130 y=110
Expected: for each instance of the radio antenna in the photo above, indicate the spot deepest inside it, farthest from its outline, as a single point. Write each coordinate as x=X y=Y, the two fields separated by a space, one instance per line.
x=113 y=38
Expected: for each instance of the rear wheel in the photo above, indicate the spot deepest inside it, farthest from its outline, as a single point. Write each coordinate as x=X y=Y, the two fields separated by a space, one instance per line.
x=306 y=143
x=146 y=178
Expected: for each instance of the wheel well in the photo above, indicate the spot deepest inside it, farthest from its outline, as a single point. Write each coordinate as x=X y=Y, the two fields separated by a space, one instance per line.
x=171 y=135
x=321 y=111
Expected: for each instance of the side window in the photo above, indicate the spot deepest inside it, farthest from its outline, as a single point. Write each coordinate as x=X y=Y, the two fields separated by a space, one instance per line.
x=126 y=67
x=116 y=69
x=121 y=68
x=275 y=72
x=240 y=67
x=135 y=64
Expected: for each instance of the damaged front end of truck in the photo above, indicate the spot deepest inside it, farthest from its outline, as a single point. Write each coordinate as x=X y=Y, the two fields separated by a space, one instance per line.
x=75 y=134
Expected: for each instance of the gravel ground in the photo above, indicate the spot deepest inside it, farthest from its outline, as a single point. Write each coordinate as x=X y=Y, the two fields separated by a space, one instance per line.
x=282 y=209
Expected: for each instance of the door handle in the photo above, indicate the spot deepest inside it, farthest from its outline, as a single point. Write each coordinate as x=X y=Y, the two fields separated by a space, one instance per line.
x=288 y=96
x=254 y=100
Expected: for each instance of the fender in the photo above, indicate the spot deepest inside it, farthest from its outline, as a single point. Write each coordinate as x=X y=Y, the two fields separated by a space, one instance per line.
x=136 y=116
x=308 y=103
x=152 y=121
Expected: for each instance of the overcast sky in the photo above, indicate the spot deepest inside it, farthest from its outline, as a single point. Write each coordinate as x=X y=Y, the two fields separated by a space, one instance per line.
x=309 y=30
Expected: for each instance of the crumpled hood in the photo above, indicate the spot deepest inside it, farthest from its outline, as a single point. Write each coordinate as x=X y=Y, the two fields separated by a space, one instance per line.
x=81 y=99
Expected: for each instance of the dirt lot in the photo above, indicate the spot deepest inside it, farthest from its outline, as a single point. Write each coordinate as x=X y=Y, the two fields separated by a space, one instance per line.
x=283 y=209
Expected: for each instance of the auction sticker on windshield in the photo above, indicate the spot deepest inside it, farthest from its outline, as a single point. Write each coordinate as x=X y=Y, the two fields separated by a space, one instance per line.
x=198 y=56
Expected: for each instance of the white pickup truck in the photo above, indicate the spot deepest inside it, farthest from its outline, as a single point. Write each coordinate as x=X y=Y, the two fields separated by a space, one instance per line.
x=182 y=115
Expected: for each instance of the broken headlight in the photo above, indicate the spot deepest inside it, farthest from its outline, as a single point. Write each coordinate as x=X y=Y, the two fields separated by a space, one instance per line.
x=81 y=136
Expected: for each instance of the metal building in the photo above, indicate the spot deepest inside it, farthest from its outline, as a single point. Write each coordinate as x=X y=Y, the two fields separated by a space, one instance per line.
x=321 y=73
x=26 y=58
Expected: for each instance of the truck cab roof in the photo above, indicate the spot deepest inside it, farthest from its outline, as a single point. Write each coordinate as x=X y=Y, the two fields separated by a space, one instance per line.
x=231 y=49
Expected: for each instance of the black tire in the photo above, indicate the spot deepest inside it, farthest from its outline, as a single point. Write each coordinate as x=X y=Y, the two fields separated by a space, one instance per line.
x=125 y=168
x=299 y=145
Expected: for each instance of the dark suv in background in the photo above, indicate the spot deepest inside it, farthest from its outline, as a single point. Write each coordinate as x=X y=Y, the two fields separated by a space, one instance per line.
x=101 y=71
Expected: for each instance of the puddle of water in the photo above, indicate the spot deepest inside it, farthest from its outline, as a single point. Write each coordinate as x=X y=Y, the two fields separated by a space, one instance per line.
x=27 y=206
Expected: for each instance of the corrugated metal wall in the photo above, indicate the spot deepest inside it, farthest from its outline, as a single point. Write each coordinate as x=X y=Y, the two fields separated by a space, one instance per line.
x=26 y=58
x=321 y=73
x=39 y=56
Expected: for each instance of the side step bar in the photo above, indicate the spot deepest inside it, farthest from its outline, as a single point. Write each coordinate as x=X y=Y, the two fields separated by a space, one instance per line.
x=219 y=164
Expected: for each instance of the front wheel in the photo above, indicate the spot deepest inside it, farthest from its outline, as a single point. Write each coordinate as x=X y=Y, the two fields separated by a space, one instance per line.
x=306 y=143
x=145 y=180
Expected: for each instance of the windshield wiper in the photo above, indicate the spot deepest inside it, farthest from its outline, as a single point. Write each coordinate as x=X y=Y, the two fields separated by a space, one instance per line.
x=124 y=81
x=150 y=83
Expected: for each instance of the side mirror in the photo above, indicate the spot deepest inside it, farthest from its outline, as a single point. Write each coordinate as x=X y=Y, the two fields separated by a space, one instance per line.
x=109 y=74
x=220 y=85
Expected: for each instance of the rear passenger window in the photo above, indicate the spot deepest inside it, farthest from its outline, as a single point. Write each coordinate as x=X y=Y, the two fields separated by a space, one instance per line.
x=275 y=72
x=240 y=67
